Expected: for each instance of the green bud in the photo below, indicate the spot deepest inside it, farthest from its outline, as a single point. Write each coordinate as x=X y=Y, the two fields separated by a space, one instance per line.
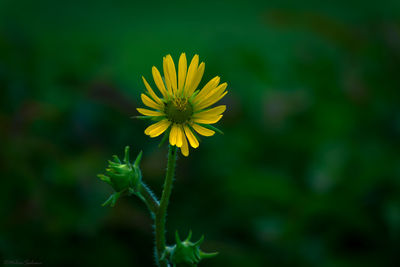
x=186 y=253
x=124 y=177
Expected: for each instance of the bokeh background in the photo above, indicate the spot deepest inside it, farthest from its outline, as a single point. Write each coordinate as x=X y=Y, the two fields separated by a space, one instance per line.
x=306 y=174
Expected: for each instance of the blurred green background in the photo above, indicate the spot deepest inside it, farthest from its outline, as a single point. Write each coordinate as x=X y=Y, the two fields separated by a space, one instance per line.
x=306 y=174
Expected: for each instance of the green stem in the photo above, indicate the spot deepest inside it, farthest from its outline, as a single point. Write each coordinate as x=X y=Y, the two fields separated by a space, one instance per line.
x=162 y=211
x=149 y=198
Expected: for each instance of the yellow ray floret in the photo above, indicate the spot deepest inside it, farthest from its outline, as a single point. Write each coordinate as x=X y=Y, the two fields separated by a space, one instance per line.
x=159 y=82
x=158 y=128
x=212 y=84
x=151 y=92
x=192 y=139
x=150 y=103
x=171 y=72
x=202 y=130
x=191 y=74
x=210 y=112
x=182 y=69
x=208 y=120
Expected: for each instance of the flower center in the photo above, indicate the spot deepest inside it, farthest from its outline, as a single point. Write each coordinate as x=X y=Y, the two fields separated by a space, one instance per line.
x=179 y=110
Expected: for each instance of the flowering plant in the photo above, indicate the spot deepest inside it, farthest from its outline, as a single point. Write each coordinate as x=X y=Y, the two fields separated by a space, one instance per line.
x=182 y=112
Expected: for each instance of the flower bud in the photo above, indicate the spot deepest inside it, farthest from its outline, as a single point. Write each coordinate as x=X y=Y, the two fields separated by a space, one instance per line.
x=124 y=177
x=186 y=253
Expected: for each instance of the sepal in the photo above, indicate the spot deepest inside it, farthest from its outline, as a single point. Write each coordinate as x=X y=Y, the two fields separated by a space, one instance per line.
x=112 y=199
x=152 y=118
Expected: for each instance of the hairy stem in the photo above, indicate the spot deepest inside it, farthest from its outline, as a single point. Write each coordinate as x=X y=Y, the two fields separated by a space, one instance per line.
x=149 y=198
x=162 y=210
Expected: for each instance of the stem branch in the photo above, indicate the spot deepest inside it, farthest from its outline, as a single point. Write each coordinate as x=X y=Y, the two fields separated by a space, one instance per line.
x=149 y=198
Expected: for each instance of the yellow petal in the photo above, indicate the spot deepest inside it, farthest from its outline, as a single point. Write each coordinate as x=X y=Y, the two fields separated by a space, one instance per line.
x=166 y=75
x=209 y=102
x=213 y=91
x=208 y=120
x=171 y=72
x=151 y=92
x=158 y=128
x=179 y=137
x=202 y=130
x=191 y=73
x=212 y=97
x=155 y=126
x=192 y=139
x=211 y=112
x=185 y=147
x=212 y=84
x=173 y=134
x=150 y=103
x=196 y=79
x=182 y=69
x=159 y=82
x=150 y=128
x=148 y=112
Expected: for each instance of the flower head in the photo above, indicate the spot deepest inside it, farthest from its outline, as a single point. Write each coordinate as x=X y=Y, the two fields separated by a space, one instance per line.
x=182 y=110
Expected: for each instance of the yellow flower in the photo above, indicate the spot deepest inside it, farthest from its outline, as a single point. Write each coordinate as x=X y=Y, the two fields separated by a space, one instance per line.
x=182 y=110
